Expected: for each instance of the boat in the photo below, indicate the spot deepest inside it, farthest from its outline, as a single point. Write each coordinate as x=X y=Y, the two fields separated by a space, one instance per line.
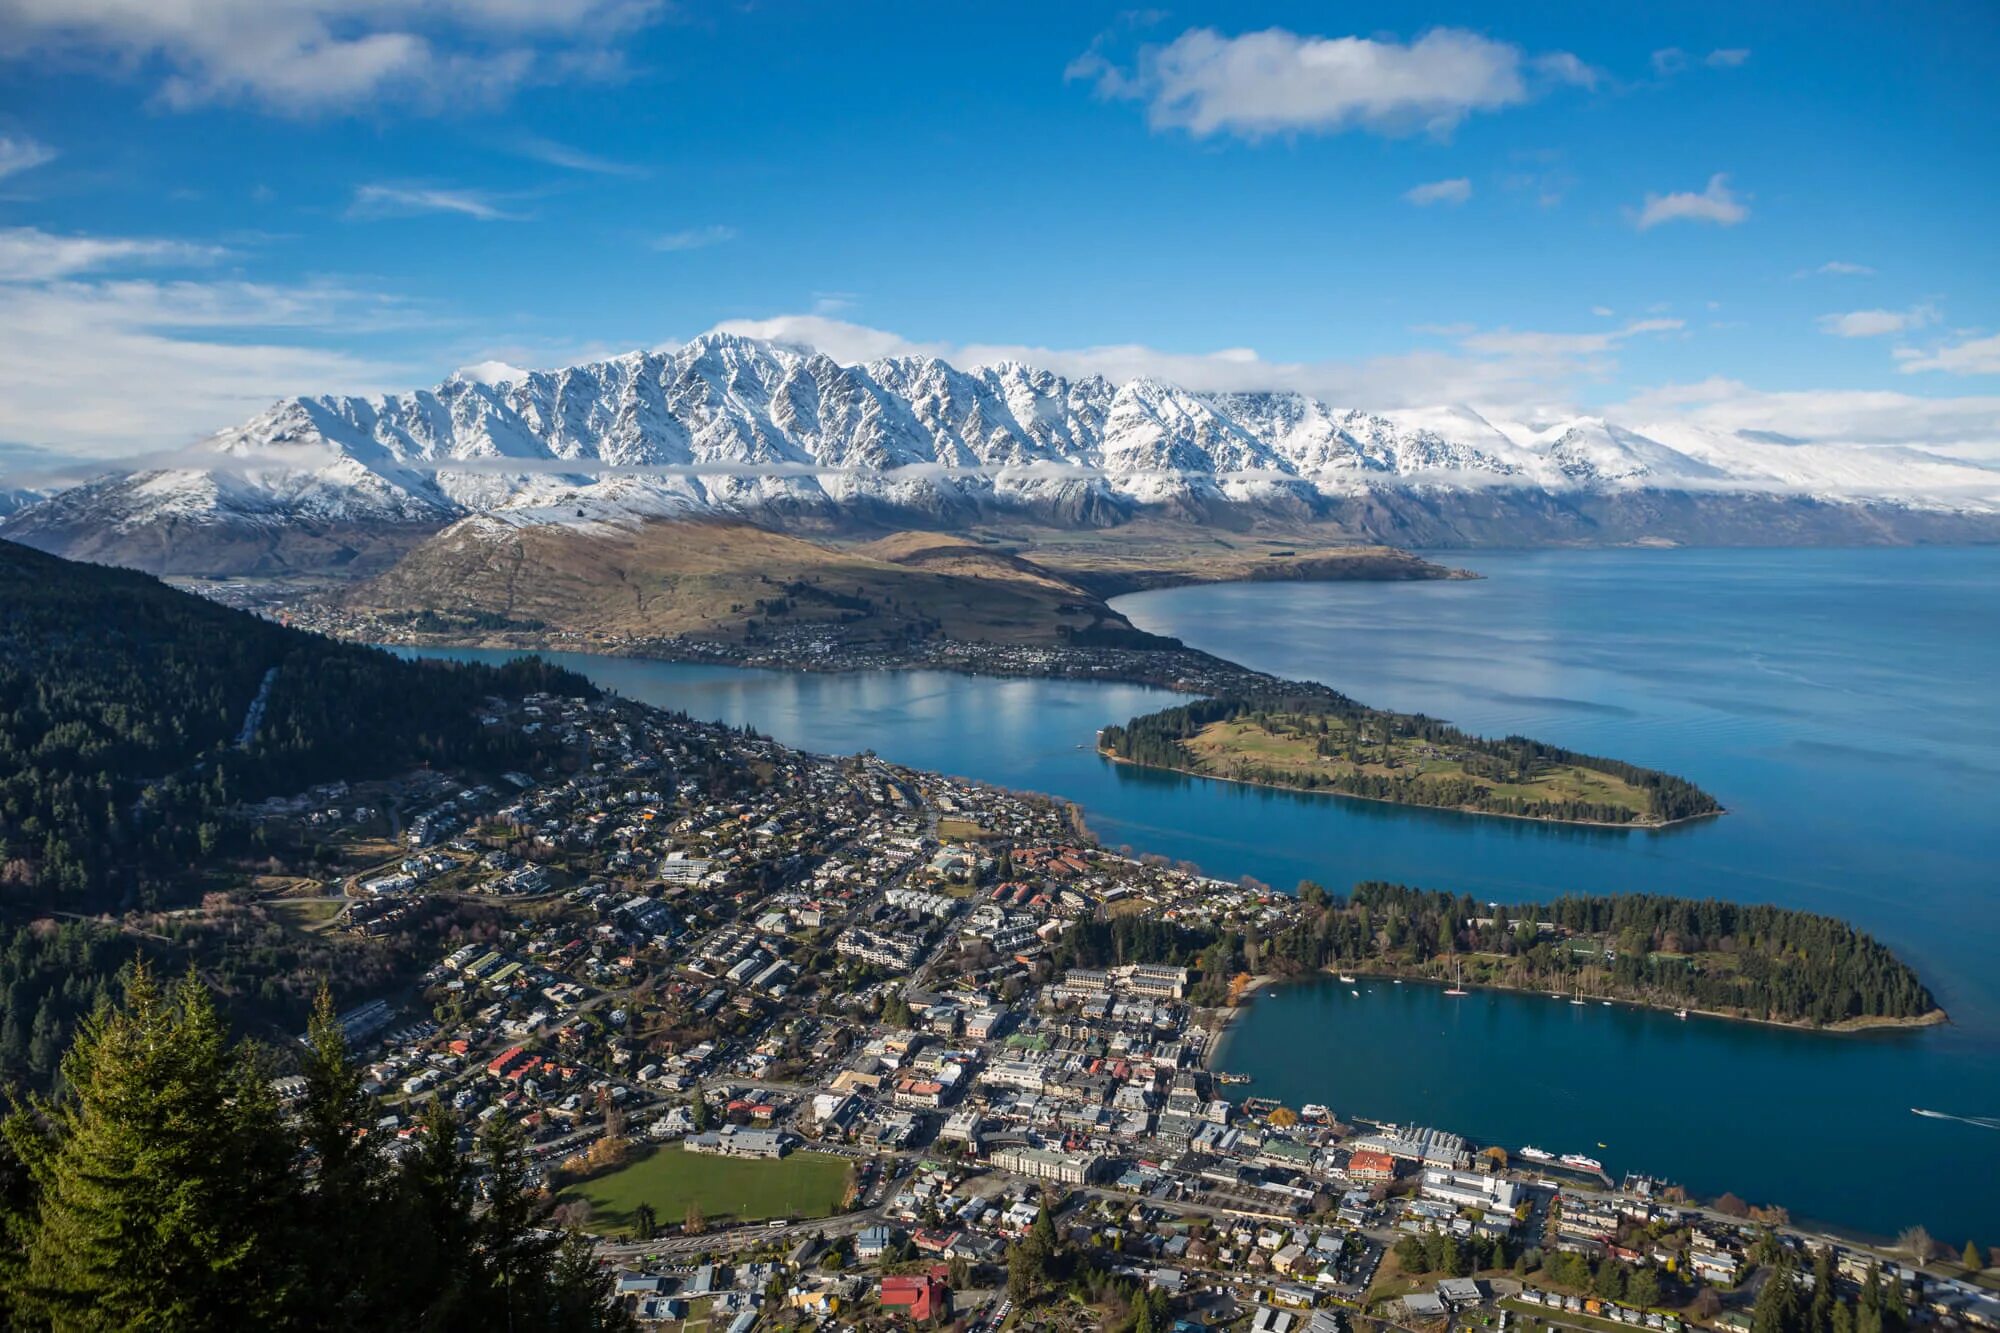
x=1538 y=1154
x=1457 y=982
x=1354 y=992
x=1232 y=1079
x=1314 y=1112
x=1605 y=1003
x=1680 y=1013
x=1395 y=981
x=1580 y=1162
x=1346 y=979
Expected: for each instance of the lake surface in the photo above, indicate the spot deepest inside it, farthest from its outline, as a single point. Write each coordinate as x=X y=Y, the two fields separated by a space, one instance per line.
x=1844 y=705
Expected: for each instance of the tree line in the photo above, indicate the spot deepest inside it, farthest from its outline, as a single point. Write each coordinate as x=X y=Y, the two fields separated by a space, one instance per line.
x=1158 y=740
x=123 y=702
x=1750 y=960
x=166 y=1188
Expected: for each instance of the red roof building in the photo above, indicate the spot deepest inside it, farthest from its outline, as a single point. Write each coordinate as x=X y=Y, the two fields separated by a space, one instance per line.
x=920 y=1296
x=1368 y=1164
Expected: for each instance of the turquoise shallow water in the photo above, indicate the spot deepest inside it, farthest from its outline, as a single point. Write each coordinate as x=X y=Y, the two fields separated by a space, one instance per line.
x=1845 y=705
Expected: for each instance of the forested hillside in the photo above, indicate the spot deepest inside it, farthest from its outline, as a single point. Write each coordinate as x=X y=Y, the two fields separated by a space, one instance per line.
x=133 y=715
x=1326 y=742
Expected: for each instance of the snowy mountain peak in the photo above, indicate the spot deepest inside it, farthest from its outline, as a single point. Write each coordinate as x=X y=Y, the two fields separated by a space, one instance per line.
x=738 y=425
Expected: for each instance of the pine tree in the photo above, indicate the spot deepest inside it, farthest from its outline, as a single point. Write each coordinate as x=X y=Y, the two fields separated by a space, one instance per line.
x=163 y=1186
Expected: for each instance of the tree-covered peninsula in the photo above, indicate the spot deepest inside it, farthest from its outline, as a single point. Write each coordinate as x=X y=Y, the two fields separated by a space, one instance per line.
x=1764 y=963
x=1319 y=741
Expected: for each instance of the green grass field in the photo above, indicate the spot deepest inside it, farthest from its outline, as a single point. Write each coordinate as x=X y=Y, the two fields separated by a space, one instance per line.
x=729 y=1189
x=1289 y=749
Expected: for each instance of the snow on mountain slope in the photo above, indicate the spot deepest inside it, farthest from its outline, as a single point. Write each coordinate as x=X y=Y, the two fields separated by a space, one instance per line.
x=739 y=426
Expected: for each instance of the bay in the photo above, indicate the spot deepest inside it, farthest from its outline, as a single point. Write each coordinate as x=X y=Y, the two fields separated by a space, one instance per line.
x=1842 y=704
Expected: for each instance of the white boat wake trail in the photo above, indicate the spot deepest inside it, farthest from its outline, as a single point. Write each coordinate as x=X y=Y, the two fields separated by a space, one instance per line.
x=1983 y=1121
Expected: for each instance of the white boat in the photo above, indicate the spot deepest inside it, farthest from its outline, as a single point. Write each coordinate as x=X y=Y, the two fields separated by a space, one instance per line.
x=1680 y=1013
x=1315 y=1112
x=1346 y=978
x=1354 y=992
x=1457 y=982
x=1538 y=1155
x=1580 y=1162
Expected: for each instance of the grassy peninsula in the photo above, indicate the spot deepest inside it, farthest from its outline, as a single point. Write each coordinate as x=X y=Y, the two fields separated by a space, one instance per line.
x=1324 y=742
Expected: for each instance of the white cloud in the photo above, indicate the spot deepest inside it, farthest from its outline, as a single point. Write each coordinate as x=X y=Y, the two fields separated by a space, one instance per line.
x=1968 y=427
x=1602 y=311
x=695 y=238
x=1440 y=192
x=1280 y=82
x=108 y=368
x=397 y=201
x=1519 y=372
x=1727 y=58
x=28 y=254
x=306 y=57
x=1840 y=268
x=1715 y=204
x=1974 y=356
x=20 y=152
x=1875 y=323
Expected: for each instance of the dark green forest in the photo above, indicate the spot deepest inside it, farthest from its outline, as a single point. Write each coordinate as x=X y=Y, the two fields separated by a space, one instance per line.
x=1762 y=962
x=1155 y=740
x=122 y=702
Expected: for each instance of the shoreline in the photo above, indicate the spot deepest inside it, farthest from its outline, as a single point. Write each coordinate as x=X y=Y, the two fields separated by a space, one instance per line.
x=1845 y=1028
x=1643 y=825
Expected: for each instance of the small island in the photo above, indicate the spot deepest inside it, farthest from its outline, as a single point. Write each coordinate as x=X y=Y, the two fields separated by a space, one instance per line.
x=1320 y=741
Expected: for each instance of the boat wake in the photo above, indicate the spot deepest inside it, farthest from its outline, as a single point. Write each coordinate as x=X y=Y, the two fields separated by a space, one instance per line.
x=1983 y=1121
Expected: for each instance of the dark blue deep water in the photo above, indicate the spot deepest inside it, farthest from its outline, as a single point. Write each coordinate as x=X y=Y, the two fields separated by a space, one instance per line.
x=1845 y=706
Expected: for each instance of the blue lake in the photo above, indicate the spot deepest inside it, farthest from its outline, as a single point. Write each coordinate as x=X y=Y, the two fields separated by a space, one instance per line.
x=1845 y=706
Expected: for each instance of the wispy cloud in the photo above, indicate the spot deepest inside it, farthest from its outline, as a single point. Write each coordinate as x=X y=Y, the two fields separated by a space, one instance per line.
x=1973 y=356
x=20 y=152
x=1455 y=191
x=695 y=238
x=1279 y=82
x=563 y=155
x=186 y=357
x=1716 y=204
x=1671 y=60
x=1838 y=268
x=317 y=57
x=29 y=254
x=386 y=201
x=1876 y=323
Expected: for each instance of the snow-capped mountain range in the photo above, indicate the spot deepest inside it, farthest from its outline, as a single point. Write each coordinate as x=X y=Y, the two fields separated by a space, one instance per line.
x=773 y=432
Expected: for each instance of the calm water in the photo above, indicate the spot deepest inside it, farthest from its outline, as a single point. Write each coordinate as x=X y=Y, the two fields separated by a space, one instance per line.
x=1842 y=704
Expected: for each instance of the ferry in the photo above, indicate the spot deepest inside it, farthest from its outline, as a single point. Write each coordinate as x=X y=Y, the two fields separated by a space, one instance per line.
x=1315 y=1113
x=1232 y=1079
x=1538 y=1155
x=1580 y=1162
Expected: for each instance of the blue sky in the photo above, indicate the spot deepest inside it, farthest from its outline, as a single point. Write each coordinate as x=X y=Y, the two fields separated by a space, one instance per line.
x=1760 y=215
